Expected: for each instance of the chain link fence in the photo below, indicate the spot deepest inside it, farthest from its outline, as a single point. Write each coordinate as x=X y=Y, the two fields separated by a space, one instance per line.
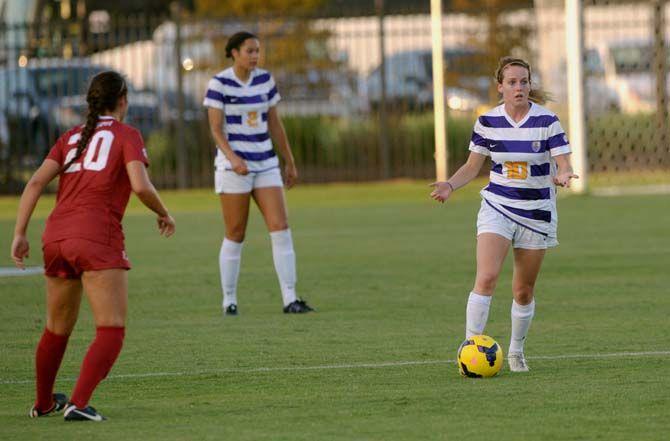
x=626 y=76
x=346 y=120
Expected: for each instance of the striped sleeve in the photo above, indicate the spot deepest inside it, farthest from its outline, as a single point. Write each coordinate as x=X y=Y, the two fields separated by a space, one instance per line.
x=273 y=94
x=214 y=97
x=557 y=140
x=478 y=141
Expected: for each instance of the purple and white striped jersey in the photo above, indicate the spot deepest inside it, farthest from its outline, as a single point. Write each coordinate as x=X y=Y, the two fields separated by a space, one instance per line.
x=245 y=106
x=521 y=186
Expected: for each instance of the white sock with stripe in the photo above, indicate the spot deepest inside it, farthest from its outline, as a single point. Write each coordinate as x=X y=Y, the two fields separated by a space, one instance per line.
x=522 y=316
x=476 y=314
x=229 y=265
x=284 y=260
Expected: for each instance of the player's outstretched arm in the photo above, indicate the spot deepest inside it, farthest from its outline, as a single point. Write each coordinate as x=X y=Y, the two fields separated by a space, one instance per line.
x=564 y=172
x=442 y=190
x=31 y=194
x=146 y=192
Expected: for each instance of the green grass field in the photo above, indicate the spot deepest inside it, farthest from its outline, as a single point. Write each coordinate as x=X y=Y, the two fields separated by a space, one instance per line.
x=389 y=272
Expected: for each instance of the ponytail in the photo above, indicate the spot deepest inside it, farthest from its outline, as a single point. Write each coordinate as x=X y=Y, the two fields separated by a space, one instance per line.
x=103 y=95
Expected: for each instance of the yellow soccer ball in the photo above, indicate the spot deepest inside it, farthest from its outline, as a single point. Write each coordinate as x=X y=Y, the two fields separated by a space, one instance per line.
x=479 y=356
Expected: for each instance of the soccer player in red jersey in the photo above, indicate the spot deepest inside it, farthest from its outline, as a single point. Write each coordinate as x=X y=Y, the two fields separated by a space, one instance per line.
x=98 y=165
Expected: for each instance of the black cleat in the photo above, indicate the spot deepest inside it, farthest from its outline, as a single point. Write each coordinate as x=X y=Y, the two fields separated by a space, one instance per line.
x=60 y=401
x=297 y=307
x=230 y=309
x=88 y=413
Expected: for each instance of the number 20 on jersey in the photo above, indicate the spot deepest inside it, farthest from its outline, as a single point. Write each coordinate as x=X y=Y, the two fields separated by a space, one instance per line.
x=97 y=153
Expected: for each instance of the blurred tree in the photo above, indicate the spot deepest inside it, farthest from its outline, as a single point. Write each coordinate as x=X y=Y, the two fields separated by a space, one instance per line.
x=292 y=46
x=503 y=37
x=241 y=8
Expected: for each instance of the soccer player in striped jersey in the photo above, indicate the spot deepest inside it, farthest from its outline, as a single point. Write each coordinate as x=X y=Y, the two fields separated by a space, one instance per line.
x=530 y=155
x=243 y=120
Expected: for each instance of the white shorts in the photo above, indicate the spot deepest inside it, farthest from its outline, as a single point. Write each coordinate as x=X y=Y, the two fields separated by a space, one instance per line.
x=489 y=220
x=227 y=181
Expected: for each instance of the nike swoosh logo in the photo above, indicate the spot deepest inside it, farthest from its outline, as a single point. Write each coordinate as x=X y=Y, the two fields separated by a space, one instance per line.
x=73 y=409
x=493 y=145
x=92 y=418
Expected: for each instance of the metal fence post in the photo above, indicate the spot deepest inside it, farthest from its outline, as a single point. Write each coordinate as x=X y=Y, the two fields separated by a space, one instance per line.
x=182 y=156
x=383 y=119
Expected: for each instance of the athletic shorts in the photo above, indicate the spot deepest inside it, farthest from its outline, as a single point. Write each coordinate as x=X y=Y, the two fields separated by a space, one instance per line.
x=69 y=258
x=489 y=220
x=227 y=181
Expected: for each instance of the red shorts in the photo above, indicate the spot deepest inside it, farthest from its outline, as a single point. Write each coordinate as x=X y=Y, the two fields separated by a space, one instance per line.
x=69 y=258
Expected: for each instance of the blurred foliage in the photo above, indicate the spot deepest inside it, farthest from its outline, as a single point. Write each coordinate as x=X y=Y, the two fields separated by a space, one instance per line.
x=326 y=147
x=297 y=54
x=503 y=37
x=246 y=8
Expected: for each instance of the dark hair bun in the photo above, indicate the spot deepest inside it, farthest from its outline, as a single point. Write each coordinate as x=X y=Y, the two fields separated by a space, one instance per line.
x=236 y=41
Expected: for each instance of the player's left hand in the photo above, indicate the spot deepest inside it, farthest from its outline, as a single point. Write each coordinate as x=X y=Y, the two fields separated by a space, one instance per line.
x=441 y=190
x=166 y=225
x=20 y=250
x=290 y=175
x=563 y=179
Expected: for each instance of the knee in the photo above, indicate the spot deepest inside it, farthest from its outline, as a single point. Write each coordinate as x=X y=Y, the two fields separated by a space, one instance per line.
x=62 y=321
x=523 y=294
x=277 y=225
x=114 y=317
x=111 y=321
x=61 y=327
x=235 y=233
x=486 y=283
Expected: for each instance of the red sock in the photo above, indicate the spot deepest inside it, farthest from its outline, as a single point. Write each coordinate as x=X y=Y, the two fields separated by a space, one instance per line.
x=48 y=357
x=98 y=362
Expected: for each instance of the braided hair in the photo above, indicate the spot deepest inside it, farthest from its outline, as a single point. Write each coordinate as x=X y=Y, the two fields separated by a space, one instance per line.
x=103 y=95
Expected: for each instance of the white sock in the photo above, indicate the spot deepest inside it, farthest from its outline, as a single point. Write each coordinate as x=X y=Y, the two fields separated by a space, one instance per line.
x=284 y=259
x=522 y=316
x=229 y=265
x=476 y=314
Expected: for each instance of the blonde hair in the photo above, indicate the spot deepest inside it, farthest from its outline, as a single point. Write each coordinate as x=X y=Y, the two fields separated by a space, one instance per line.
x=536 y=95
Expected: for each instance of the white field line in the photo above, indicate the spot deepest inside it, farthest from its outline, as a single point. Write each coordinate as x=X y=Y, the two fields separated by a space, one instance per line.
x=628 y=190
x=349 y=366
x=12 y=271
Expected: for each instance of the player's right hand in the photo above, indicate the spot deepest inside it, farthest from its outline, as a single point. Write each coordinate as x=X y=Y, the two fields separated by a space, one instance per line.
x=166 y=225
x=20 y=250
x=238 y=165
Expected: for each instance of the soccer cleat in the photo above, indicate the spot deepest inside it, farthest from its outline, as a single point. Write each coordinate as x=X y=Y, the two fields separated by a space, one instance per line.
x=297 y=307
x=230 y=309
x=60 y=401
x=517 y=362
x=88 y=413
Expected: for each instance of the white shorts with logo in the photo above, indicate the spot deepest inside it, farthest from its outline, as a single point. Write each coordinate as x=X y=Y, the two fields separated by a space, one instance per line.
x=489 y=220
x=227 y=181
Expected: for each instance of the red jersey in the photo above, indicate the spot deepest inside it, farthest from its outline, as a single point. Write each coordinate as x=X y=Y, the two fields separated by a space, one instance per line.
x=93 y=192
